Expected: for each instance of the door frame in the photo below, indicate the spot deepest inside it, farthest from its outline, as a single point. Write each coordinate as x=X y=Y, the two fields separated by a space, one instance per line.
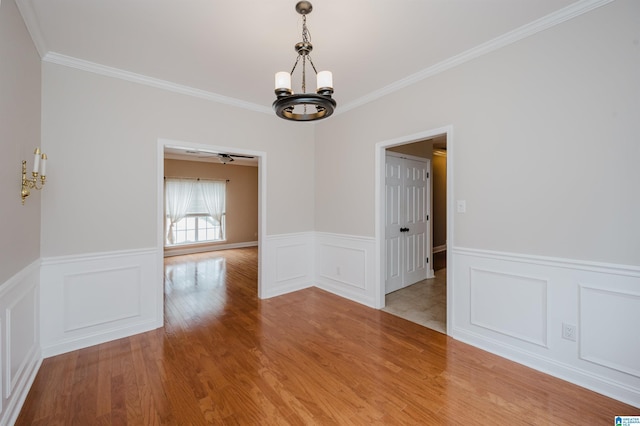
x=262 y=208
x=380 y=251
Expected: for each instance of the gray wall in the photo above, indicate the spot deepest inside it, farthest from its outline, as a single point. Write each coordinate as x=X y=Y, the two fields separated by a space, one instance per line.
x=545 y=144
x=105 y=131
x=19 y=136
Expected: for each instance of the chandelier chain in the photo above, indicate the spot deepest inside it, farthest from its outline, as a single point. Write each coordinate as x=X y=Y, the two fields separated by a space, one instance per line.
x=306 y=36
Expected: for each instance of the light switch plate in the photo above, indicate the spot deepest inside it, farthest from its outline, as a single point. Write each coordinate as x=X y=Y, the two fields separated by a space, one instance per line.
x=461 y=206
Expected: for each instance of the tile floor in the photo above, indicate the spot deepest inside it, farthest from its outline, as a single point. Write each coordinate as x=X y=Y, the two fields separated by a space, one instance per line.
x=424 y=302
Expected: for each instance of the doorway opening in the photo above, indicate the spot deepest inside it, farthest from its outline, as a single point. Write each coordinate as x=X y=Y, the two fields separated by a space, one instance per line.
x=425 y=301
x=243 y=172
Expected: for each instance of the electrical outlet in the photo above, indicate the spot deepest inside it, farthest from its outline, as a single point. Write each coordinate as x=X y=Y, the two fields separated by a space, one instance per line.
x=338 y=270
x=569 y=332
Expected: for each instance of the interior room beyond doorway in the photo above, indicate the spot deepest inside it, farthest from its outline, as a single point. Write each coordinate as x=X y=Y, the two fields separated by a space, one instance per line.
x=425 y=302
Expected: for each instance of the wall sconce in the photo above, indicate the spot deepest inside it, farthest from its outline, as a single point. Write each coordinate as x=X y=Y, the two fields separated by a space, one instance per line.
x=39 y=165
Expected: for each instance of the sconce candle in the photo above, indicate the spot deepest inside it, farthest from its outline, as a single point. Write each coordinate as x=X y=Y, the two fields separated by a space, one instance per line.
x=39 y=165
x=43 y=165
x=36 y=160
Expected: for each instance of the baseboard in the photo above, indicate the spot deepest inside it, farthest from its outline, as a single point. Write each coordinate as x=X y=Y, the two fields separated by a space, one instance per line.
x=439 y=249
x=14 y=406
x=599 y=384
x=72 y=344
x=179 y=251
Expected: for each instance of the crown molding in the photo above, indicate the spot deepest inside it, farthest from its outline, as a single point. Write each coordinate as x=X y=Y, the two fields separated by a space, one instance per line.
x=31 y=22
x=553 y=19
x=68 y=61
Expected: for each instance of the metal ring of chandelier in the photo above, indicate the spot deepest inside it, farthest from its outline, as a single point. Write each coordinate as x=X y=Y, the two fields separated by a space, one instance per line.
x=285 y=105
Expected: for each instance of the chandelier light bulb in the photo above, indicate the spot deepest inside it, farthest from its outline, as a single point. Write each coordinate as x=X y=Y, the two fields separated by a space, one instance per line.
x=283 y=81
x=324 y=80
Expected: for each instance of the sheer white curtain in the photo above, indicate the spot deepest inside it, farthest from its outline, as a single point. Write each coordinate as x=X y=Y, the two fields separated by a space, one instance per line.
x=177 y=196
x=213 y=193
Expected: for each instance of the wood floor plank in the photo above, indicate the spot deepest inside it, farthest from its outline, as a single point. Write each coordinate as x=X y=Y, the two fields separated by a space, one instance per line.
x=306 y=358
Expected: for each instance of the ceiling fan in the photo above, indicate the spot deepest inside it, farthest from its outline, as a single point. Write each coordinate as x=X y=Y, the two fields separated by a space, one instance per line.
x=224 y=158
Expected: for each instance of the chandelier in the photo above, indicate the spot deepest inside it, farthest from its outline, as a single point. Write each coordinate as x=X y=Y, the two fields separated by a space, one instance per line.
x=304 y=106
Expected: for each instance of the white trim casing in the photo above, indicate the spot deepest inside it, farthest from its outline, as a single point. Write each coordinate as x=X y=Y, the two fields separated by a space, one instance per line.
x=380 y=158
x=262 y=205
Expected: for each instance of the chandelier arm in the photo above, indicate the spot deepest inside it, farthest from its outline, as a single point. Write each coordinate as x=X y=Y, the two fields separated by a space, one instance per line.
x=304 y=74
x=295 y=64
x=312 y=65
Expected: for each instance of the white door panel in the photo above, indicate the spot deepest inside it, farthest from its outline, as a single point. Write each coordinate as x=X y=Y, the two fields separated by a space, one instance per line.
x=393 y=236
x=406 y=221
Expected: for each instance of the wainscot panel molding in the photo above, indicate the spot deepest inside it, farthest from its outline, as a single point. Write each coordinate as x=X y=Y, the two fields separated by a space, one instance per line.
x=95 y=298
x=345 y=265
x=288 y=263
x=524 y=316
x=516 y=306
x=20 y=355
x=608 y=336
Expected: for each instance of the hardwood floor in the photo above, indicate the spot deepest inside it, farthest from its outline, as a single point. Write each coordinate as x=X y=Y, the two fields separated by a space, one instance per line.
x=309 y=357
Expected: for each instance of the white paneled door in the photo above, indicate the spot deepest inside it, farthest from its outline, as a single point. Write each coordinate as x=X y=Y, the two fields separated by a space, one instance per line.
x=407 y=230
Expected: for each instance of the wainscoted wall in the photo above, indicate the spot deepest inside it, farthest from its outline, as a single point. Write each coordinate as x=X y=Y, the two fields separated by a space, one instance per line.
x=509 y=304
x=288 y=263
x=95 y=298
x=20 y=356
x=516 y=306
x=345 y=265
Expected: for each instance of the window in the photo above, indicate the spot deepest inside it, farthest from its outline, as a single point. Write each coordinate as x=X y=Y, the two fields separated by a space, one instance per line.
x=197 y=229
x=195 y=211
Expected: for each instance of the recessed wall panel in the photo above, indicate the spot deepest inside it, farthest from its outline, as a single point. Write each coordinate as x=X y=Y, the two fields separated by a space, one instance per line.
x=509 y=304
x=343 y=264
x=608 y=329
x=21 y=336
x=291 y=262
x=100 y=297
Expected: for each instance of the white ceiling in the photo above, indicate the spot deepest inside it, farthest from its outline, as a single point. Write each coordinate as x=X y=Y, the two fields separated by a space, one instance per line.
x=232 y=48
